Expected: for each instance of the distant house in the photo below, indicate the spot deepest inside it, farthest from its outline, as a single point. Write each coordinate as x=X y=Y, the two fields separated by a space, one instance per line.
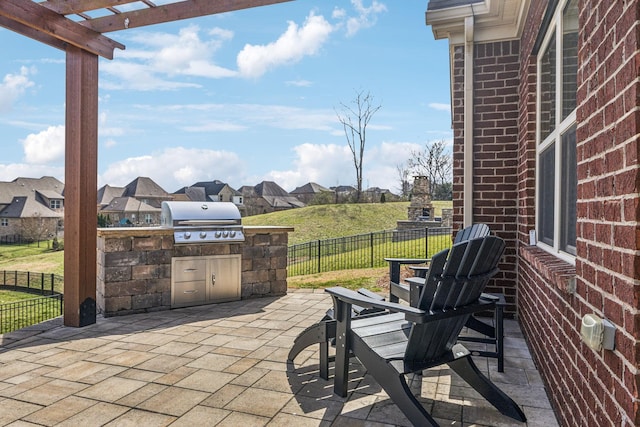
x=211 y=191
x=128 y=211
x=344 y=193
x=375 y=195
x=310 y=191
x=107 y=193
x=268 y=197
x=147 y=191
x=138 y=203
x=31 y=208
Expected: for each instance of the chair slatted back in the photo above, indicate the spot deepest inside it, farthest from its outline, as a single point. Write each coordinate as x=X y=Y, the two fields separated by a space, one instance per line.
x=456 y=278
x=472 y=232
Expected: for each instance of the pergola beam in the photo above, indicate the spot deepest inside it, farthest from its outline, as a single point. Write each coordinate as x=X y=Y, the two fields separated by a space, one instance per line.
x=32 y=33
x=170 y=12
x=67 y=7
x=27 y=13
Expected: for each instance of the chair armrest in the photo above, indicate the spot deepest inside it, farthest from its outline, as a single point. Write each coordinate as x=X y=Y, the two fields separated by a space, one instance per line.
x=412 y=314
x=352 y=297
x=399 y=290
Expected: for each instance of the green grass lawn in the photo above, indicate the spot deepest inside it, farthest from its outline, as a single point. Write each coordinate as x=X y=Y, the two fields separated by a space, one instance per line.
x=40 y=260
x=329 y=221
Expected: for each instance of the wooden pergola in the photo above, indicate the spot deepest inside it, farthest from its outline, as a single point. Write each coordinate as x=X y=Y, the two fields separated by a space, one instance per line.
x=78 y=27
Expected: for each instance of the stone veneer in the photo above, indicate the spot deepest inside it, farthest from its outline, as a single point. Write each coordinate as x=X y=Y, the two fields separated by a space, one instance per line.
x=134 y=266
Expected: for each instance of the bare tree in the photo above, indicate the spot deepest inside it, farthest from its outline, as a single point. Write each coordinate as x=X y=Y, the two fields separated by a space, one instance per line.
x=403 y=176
x=354 y=122
x=36 y=227
x=434 y=163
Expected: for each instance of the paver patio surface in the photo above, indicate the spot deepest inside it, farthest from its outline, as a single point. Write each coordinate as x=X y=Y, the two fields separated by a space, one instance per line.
x=225 y=365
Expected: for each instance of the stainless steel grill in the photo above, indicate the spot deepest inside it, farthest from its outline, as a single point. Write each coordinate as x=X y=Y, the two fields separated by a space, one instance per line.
x=203 y=222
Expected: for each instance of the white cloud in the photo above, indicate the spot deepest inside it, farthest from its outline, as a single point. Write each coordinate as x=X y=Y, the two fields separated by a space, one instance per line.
x=366 y=16
x=44 y=147
x=296 y=43
x=13 y=86
x=235 y=117
x=176 y=167
x=440 y=106
x=215 y=126
x=160 y=57
x=299 y=83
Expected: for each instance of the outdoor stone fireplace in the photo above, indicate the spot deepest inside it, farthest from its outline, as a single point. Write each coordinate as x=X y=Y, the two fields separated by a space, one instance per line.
x=134 y=266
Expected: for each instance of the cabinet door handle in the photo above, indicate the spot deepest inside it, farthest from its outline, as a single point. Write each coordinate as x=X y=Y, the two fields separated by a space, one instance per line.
x=213 y=279
x=192 y=291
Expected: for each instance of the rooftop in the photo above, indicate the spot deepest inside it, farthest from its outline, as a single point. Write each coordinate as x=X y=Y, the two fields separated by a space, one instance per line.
x=225 y=364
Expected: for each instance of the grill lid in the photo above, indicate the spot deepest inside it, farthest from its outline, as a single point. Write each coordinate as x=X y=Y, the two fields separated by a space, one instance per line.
x=202 y=222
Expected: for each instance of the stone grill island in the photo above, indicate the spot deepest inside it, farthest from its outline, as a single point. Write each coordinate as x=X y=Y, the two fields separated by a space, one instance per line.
x=134 y=273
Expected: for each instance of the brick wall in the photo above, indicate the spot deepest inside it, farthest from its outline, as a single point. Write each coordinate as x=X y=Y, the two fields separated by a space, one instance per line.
x=495 y=149
x=587 y=387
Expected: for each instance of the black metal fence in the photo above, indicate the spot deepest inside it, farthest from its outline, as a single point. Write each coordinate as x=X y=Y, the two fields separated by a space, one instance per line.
x=366 y=250
x=18 y=239
x=26 y=281
x=20 y=314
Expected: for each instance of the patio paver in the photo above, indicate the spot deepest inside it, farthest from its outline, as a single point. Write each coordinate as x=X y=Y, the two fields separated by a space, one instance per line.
x=225 y=365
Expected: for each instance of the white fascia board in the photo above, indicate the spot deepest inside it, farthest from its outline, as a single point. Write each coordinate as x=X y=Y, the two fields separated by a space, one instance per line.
x=495 y=20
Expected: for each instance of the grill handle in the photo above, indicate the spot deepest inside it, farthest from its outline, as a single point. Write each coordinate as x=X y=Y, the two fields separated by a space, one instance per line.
x=192 y=291
x=205 y=222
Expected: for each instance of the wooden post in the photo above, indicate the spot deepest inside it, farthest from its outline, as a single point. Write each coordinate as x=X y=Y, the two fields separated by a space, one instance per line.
x=81 y=182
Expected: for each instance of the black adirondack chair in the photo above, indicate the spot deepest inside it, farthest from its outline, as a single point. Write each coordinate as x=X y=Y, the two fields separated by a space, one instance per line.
x=324 y=332
x=411 y=339
x=493 y=334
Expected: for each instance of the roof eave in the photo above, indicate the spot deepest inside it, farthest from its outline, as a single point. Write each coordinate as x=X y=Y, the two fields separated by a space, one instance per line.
x=494 y=20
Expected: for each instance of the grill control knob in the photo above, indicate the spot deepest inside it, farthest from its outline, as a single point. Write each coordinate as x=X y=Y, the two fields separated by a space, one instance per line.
x=187 y=235
x=225 y=233
x=218 y=234
x=203 y=234
x=232 y=234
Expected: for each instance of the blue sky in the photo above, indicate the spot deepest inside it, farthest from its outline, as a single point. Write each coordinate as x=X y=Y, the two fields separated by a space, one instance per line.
x=242 y=97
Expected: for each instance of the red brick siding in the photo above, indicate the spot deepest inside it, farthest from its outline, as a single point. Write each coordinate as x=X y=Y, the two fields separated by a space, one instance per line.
x=457 y=103
x=495 y=146
x=587 y=387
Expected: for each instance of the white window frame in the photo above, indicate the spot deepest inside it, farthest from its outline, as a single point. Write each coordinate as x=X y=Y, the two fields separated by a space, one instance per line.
x=148 y=219
x=4 y=222
x=55 y=204
x=555 y=136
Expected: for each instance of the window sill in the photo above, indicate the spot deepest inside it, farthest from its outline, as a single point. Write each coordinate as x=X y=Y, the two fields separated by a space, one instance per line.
x=554 y=270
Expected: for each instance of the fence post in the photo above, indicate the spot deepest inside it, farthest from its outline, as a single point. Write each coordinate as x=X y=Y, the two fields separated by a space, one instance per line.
x=426 y=242
x=41 y=283
x=371 y=243
x=52 y=280
x=15 y=281
x=319 y=248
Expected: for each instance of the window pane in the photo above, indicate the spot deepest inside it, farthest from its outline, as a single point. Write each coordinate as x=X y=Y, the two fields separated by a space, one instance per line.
x=546 y=194
x=568 y=192
x=548 y=90
x=569 y=57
